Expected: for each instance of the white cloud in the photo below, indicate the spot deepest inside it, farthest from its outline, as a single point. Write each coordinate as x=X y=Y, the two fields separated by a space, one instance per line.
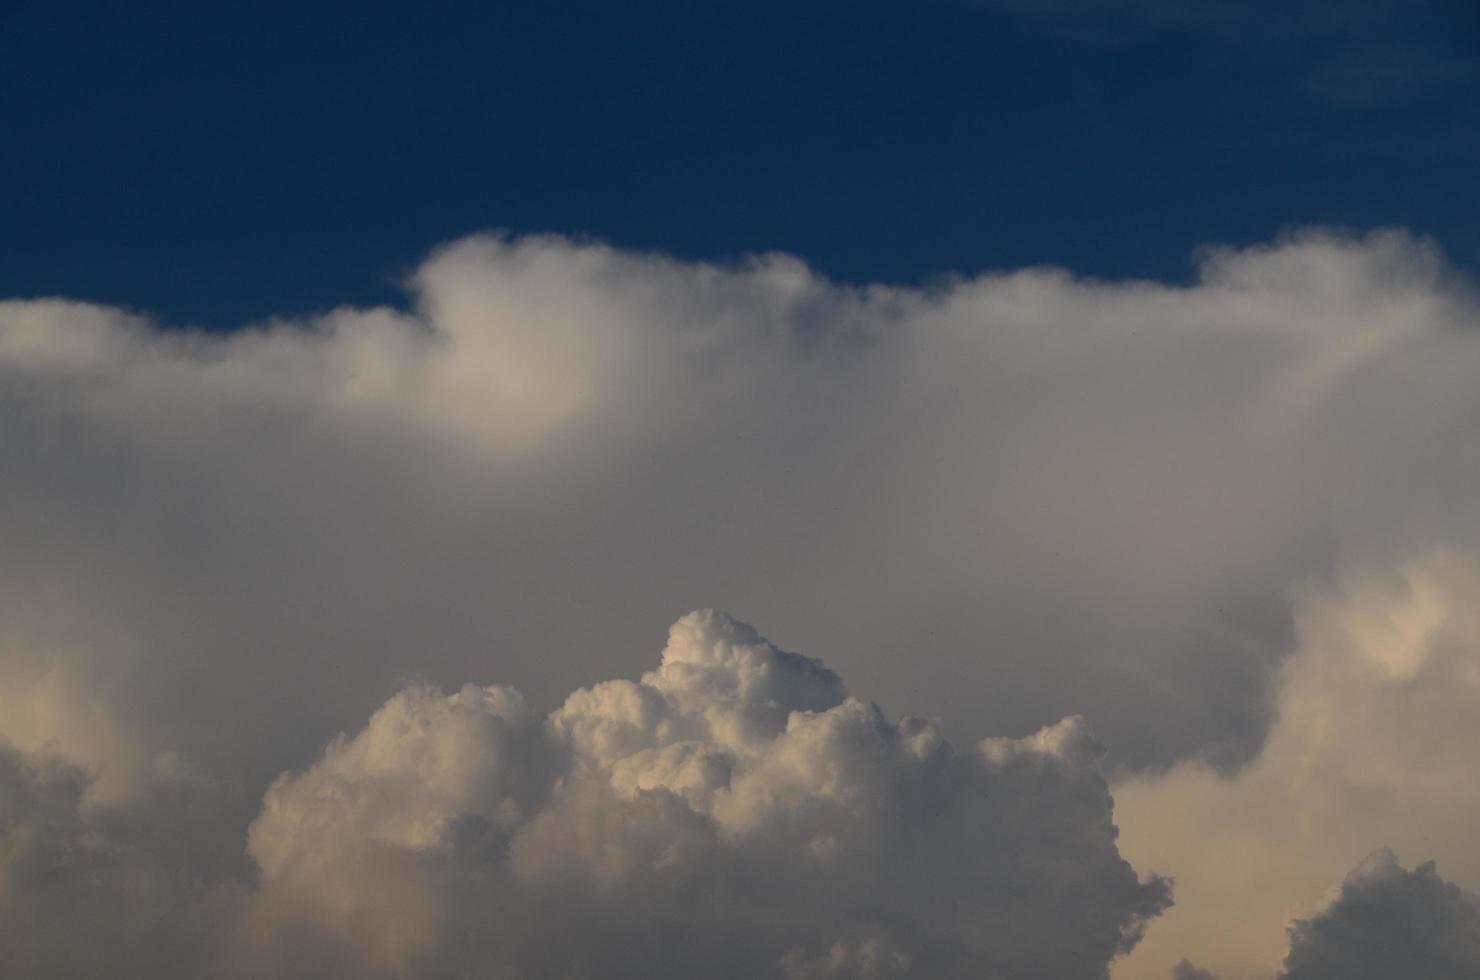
x=1177 y=511
x=734 y=814
x=1123 y=479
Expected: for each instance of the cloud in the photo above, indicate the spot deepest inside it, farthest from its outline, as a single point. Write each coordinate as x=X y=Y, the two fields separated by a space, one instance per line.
x=1378 y=713
x=1389 y=922
x=734 y=813
x=1383 y=921
x=1211 y=519
x=85 y=892
x=562 y=443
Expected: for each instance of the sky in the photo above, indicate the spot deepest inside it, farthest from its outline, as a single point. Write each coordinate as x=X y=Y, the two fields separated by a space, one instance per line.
x=938 y=490
x=221 y=163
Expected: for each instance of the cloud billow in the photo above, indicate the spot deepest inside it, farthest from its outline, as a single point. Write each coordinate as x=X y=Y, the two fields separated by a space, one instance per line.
x=734 y=813
x=86 y=892
x=1388 y=921
x=1208 y=518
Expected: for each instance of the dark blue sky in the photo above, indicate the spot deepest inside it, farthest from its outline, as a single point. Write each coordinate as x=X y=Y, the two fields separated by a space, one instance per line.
x=214 y=163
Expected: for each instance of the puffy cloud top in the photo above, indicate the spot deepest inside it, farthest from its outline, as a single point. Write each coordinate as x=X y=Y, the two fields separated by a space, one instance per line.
x=733 y=814
x=1185 y=970
x=1384 y=922
x=1388 y=922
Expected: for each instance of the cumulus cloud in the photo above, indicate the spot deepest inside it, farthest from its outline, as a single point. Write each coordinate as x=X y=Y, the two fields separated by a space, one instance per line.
x=1185 y=970
x=734 y=813
x=1379 y=711
x=86 y=892
x=1383 y=921
x=1223 y=521
x=1388 y=921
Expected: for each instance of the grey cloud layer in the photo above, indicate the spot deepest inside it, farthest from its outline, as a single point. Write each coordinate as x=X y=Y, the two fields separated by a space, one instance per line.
x=1003 y=500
